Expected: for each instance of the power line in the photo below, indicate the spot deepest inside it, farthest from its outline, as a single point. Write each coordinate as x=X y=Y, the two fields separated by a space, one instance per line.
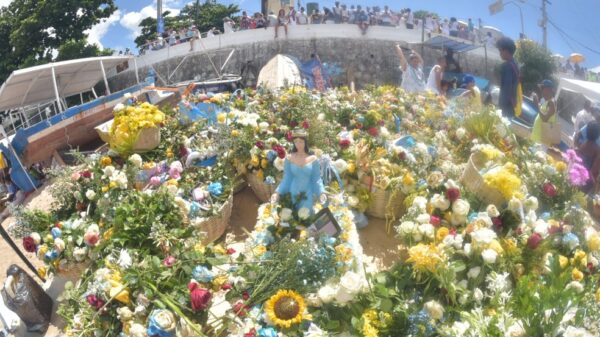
x=573 y=39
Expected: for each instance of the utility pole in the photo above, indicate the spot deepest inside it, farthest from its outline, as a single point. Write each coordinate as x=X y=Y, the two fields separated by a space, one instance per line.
x=545 y=23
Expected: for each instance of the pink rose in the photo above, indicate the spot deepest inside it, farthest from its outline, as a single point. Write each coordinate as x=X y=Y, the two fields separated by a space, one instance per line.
x=91 y=238
x=199 y=297
x=155 y=181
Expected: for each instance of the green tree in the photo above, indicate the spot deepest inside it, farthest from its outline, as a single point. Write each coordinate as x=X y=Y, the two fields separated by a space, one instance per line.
x=148 y=26
x=536 y=64
x=73 y=49
x=31 y=31
x=422 y=14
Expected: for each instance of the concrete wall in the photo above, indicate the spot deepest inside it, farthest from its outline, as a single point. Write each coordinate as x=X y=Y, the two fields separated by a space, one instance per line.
x=348 y=55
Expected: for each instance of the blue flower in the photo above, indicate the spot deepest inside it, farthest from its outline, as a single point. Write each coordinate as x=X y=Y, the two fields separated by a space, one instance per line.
x=154 y=324
x=202 y=274
x=271 y=155
x=267 y=332
x=215 y=189
x=194 y=209
x=269 y=180
x=51 y=255
x=570 y=240
x=56 y=232
x=264 y=238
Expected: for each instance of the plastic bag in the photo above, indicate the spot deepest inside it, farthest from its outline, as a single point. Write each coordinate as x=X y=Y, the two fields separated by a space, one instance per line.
x=27 y=299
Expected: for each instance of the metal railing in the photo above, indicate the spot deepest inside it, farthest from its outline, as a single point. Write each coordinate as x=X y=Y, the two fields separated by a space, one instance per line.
x=28 y=116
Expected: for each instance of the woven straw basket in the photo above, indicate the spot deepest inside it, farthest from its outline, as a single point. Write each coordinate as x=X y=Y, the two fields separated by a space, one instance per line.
x=262 y=190
x=216 y=225
x=147 y=140
x=473 y=181
x=240 y=185
x=382 y=205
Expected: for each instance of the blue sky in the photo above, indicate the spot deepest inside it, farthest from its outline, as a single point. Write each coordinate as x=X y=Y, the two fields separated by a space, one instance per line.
x=578 y=20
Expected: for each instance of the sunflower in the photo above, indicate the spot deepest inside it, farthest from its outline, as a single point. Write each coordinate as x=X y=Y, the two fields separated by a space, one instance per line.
x=285 y=308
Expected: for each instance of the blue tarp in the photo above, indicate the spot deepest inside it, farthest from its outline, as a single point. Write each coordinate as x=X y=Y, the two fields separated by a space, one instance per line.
x=17 y=173
x=443 y=42
x=314 y=74
x=20 y=140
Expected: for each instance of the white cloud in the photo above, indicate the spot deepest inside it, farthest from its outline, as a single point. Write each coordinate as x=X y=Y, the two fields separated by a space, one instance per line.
x=100 y=29
x=131 y=20
x=4 y=3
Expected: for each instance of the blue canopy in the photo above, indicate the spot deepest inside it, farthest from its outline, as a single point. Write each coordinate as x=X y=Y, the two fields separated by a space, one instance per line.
x=444 y=42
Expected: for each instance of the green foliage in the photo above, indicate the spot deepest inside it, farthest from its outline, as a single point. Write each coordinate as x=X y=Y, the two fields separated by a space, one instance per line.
x=29 y=221
x=422 y=14
x=536 y=64
x=74 y=49
x=205 y=16
x=31 y=30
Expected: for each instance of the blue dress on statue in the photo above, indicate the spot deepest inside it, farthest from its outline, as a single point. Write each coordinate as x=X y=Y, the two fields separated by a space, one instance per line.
x=298 y=179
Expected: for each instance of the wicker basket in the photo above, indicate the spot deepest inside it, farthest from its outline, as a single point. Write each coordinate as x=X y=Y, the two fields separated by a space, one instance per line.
x=382 y=205
x=147 y=140
x=216 y=225
x=262 y=190
x=240 y=185
x=473 y=181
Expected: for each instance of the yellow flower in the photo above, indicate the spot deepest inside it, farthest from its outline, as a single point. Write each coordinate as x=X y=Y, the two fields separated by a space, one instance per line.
x=260 y=174
x=219 y=281
x=49 y=238
x=351 y=167
x=172 y=182
x=408 y=180
x=199 y=248
x=221 y=118
x=598 y=295
x=560 y=166
x=148 y=165
x=343 y=253
x=254 y=161
x=594 y=242
x=264 y=163
x=259 y=250
x=563 y=261
x=108 y=234
x=425 y=257
x=219 y=249
x=113 y=184
x=105 y=189
x=510 y=246
x=41 y=272
x=576 y=275
x=105 y=161
x=119 y=292
x=285 y=308
x=442 y=232
x=235 y=133
x=580 y=257
x=495 y=246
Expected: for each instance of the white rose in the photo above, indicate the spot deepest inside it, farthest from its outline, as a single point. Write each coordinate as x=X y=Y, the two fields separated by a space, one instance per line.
x=321 y=117
x=515 y=205
x=434 y=309
x=351 y=284
x=136 y=160
x=119 y=107
x=489 y=256
x=516 y=330
x=457 y=219
x=340 y=165
x=483 y=236
x=327 y=294
x=353 y=201
x=303 y=213
x=576 y=332
x=477 y=295
x=461 y=133
x=531 y=203
x=464 y=284
x=423 y=218
x=474 y=272
x=137 y=330
x=124 y=314
x=427 y=230
x=541 y=227
x=460 y=328
x=451 y=184
x=285 y=214
x=467 y=249
x=575 y=285
x=279 y=163
x=59 y=245
x=492 y=211
x=164 y=319
x=36 y=238
x=440 y=202
x=420 y=203
x=461 y=207
x=79 y=253
x=108 y=171
x=90 y=194
x=407 y=228
x=313 y=300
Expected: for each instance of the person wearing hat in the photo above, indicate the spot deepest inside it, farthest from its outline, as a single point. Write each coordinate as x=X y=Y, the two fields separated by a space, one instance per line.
x=546 y=115
x=509 y=77
x=473 y=93
x=301 y=175
x=413 y=80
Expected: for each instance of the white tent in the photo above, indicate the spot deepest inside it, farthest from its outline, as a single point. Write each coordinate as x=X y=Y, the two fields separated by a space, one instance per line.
x=280 y=71
x=595 y=70
x=591 y=90
x=57 y=80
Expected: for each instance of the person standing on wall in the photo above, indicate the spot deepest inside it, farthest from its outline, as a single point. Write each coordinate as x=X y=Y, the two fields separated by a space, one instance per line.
x=509 y=77
x=413 y=80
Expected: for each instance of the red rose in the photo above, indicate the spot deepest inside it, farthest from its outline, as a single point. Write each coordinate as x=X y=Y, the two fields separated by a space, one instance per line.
x=435 y=220
x=199 y=297
x=259 y=144
x=230 y=251
x=245 y=295
x=240 y=309
x=381 y=123
x=374 y=131
x=58 y=225
x=280 y=151
x=534 y=240
x=305 y=124
x=359 y=125
x=402 y=155
x=453 y=231
x=86 y=174
x=344 y=143
x=29 y=244
x=554 y=230
x=288 y=136
x=590 y=267
x=226 y=286
x=251 y=333
x=169 y=261
x=453 y=194
x=94 y=301
x=293 y=124
x=183 y=151
x=549 y=189
x=497 y=223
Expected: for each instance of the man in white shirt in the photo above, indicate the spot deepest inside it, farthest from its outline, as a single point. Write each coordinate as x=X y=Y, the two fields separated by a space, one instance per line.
x=583 y=117
x=301 y=17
